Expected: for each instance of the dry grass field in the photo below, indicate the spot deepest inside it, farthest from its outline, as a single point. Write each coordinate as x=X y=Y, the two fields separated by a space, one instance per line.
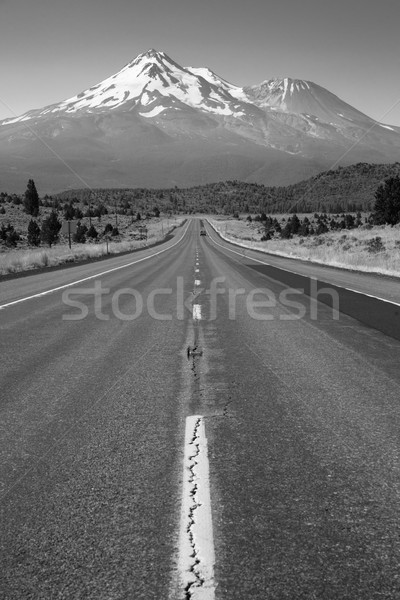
x=362 y=249
x=25 y=258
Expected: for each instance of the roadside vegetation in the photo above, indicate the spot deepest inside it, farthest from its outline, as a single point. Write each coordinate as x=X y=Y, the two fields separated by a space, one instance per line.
x=32 y=236
x=364 y=242
x=16 y=261
x=370 y=249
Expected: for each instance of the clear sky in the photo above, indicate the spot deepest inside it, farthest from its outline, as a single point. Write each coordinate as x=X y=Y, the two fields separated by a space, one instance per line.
x=53 y=49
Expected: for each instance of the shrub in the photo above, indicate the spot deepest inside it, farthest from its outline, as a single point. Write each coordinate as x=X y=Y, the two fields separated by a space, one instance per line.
x=9 y=235
x=33 y=233
x=375 y=245
x=322 y=228
x=69 y=212
x=92 y=232
x=80 y=236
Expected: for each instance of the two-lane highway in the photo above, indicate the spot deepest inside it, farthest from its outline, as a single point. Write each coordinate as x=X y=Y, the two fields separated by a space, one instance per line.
x=295 y=407
x=92 y=433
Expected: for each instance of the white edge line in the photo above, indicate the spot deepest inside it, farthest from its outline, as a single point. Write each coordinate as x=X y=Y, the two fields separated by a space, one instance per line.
x=62 y=287
x=294 y=272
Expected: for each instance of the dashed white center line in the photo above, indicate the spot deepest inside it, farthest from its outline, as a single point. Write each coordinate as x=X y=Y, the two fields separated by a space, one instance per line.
x=196 y=540
x=196 y=312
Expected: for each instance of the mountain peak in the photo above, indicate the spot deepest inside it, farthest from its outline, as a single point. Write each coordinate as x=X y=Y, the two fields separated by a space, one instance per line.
x=153 y=83
x=151 y=53
x=150 y=84
x=151 y=56
x=157 y=121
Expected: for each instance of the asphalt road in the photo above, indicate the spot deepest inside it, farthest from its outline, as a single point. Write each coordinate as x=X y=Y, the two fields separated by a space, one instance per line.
x=302 y=415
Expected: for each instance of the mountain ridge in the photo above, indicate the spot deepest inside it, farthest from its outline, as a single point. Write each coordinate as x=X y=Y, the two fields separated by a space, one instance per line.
x=155 y=123
x=344 y=189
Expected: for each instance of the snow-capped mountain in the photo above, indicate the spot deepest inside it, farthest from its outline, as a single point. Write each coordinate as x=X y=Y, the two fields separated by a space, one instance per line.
x=155 y=123
x=152 y=83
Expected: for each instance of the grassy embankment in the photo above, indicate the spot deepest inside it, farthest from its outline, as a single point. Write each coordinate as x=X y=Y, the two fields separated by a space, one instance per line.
x=355 y=249
x=15 y=261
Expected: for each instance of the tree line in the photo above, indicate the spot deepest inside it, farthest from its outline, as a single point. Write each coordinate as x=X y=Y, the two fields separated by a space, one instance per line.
x=386 y=210
x=345 y=189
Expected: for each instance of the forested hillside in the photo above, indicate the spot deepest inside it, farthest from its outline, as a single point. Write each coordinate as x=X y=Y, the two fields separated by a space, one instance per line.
x=345 y=189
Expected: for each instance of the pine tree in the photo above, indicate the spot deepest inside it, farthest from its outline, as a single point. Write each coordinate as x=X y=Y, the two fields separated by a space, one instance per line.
x=33 y=233
x=92 y=232
x=9 y=235
x=304 y=230
x=80 y=235
x=286 y=232
x=69 y=211
x=322 y=228
x=387 y=202
x=50 y=229
x=295 y=224
x=3 y=232
x=31 y=200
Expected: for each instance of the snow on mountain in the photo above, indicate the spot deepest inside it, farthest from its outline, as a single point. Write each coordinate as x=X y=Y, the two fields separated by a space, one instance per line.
x=153 y=84
x=301 y=97
x=156 y=123
x=145 y=80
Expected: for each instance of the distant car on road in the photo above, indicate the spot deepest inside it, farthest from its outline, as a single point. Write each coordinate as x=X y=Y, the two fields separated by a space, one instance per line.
x=203 y=232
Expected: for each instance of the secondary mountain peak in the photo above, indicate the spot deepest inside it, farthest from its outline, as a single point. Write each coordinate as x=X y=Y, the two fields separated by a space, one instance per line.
x=157 y=123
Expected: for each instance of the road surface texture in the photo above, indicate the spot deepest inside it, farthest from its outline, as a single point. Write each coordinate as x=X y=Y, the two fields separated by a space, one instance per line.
x=300 y=405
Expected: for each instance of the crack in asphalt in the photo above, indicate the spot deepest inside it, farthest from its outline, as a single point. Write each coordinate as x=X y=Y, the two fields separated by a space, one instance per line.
x=198 y=580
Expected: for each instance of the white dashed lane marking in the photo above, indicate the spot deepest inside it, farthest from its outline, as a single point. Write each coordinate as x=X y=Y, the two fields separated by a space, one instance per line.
x=196 y=312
